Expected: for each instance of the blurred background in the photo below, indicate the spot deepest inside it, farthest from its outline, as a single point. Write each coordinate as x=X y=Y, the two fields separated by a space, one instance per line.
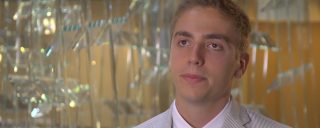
x=103 y=63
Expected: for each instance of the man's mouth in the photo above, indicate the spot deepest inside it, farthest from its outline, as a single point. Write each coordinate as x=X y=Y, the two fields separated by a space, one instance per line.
x=192 y=78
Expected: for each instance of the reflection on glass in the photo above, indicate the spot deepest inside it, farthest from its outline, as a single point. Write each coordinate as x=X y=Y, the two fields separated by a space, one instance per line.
x=51 y=67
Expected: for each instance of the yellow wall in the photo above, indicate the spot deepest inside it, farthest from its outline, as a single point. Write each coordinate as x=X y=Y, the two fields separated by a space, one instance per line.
x=288 y=103
x=297 y=102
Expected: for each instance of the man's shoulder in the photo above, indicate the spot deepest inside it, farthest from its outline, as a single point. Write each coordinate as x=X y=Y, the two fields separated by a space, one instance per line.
x=157 y=121
x=259 y=120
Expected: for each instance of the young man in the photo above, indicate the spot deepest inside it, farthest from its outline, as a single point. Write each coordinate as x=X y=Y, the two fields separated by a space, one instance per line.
x=208 y=51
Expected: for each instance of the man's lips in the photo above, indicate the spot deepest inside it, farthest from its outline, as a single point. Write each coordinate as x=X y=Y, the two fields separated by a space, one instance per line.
x=192 y=78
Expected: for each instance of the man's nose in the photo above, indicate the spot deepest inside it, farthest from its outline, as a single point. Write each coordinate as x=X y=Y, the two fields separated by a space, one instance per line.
x=197 y=55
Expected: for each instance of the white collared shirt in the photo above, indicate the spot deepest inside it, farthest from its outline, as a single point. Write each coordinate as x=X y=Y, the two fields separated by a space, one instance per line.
x=216 y=122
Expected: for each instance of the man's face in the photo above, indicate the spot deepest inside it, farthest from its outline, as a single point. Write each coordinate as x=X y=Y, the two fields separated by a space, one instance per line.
x=203 y=59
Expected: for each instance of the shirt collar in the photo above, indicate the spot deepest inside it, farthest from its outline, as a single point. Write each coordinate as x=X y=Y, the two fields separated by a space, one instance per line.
x=178 y=121
x=216 y=122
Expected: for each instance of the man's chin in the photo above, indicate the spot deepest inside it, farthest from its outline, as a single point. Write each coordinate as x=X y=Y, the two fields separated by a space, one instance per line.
x=191 y=98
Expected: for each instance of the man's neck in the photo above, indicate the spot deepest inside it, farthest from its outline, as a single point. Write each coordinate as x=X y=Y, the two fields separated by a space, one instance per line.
x=198 y=115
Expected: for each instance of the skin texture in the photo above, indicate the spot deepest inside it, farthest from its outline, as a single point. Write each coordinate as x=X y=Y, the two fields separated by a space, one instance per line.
x=203 y=63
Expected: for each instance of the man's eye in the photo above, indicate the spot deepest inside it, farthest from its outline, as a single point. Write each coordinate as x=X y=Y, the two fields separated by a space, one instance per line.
x=183 y=43
x=214 y=46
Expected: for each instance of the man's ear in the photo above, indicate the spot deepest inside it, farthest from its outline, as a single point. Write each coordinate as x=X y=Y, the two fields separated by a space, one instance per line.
x=243 y=63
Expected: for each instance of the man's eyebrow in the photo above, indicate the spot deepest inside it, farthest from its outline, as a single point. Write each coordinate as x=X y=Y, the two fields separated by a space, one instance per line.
x=207 y=36
x=182 y=33
x=217 y=36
